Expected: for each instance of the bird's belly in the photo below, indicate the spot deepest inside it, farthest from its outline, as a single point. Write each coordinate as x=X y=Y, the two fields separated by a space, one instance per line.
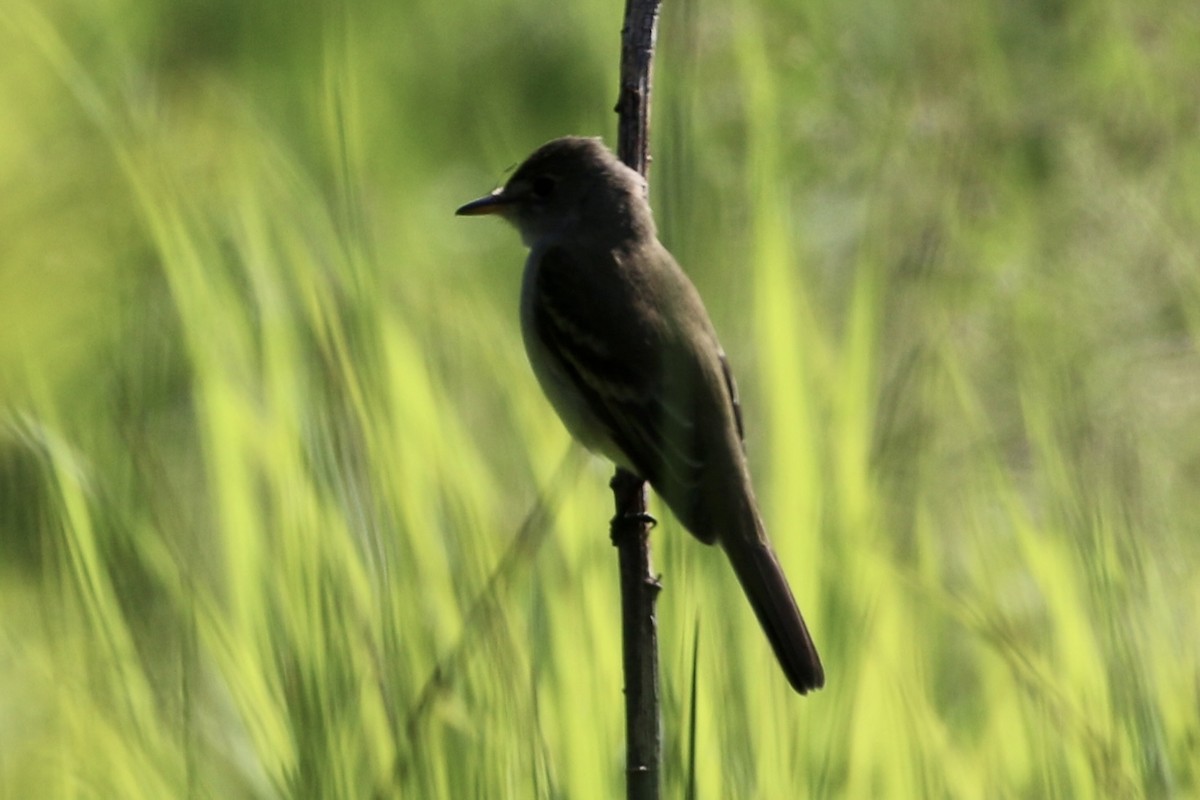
x=568 y=402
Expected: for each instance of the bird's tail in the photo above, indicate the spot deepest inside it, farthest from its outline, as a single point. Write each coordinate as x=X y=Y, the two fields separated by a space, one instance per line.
x=766 y=587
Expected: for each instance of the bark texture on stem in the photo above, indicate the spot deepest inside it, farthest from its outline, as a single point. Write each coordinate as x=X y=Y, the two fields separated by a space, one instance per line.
x=631 y=525
x=639 y=638
x=638 y=36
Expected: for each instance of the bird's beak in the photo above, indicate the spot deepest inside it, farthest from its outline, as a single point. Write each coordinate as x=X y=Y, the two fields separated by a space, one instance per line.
x=495 y=203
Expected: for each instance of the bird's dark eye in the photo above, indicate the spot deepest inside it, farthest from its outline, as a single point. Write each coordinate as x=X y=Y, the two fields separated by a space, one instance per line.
x=542 y=187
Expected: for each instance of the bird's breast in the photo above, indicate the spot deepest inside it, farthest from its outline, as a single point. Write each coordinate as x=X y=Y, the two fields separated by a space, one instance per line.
x=557 y=384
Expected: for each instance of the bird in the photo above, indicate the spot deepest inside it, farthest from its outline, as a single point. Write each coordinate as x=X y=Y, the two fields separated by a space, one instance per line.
x=624 y=349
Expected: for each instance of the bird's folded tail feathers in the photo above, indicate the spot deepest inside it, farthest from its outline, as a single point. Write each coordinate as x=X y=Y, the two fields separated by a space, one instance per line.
x=765 y=586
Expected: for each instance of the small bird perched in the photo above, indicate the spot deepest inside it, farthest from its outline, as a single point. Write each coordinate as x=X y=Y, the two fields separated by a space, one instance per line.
x=623 y=347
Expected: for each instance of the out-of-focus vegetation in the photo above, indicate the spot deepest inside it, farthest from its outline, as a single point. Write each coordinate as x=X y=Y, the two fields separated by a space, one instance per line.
x=268 y=432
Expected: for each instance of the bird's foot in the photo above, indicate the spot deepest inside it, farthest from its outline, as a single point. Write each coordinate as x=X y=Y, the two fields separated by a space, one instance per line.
x=629 y=492
x=641 y=518
x=624 y=525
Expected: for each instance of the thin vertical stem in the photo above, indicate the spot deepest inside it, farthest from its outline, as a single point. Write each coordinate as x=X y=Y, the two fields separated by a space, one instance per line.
x=631 y=525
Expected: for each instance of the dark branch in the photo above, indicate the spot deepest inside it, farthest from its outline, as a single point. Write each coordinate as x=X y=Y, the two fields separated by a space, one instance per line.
x=631 y=525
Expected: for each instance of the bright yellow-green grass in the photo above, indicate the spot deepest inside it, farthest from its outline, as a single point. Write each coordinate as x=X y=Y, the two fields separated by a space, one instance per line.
x=283 y=513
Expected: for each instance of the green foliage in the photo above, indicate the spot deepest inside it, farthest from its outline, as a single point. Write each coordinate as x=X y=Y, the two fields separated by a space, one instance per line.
x=272 y=465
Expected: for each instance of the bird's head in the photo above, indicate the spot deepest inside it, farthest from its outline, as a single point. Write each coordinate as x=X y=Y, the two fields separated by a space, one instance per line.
x=570 y=184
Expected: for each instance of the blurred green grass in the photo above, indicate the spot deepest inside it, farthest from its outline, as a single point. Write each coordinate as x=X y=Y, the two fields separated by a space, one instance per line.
x=268 y=430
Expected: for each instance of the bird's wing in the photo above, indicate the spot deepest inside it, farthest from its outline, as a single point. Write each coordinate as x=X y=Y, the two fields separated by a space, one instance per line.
x=635 y=378
x=731 y=388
